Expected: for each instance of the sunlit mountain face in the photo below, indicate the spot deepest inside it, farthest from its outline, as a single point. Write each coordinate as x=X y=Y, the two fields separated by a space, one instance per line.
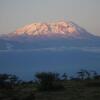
x=60 y=28
x=57 y=46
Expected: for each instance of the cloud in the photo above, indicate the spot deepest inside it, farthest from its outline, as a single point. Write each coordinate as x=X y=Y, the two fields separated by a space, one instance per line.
x=56 y=49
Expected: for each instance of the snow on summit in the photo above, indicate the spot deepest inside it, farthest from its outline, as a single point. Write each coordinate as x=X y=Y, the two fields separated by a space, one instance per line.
x=58 y=28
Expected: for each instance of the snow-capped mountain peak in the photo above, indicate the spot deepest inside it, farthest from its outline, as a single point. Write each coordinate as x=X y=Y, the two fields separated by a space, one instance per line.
x=53 y=28
x=59 y=28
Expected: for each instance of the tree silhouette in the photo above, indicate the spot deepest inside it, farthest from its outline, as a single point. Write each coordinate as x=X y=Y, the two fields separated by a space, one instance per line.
x=64 y=76
x=7 y=80
x=81 y=74
x=47 y=80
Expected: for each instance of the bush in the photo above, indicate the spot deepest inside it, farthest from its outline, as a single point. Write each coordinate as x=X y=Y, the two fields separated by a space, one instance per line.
x=48 y=81
x=8 y=81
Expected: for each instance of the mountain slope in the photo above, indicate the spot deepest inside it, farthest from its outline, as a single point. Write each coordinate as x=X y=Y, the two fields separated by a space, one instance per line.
x=49 y=35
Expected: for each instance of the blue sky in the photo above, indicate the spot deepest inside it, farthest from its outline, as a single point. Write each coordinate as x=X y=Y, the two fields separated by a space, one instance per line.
x=17 y=13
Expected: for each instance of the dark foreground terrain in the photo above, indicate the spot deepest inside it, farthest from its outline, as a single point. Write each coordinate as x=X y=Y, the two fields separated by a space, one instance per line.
x=50 y=86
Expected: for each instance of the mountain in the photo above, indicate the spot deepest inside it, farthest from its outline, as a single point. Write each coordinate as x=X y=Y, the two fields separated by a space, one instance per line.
x=59 y=28
x=57 y=47
x=49 y=35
